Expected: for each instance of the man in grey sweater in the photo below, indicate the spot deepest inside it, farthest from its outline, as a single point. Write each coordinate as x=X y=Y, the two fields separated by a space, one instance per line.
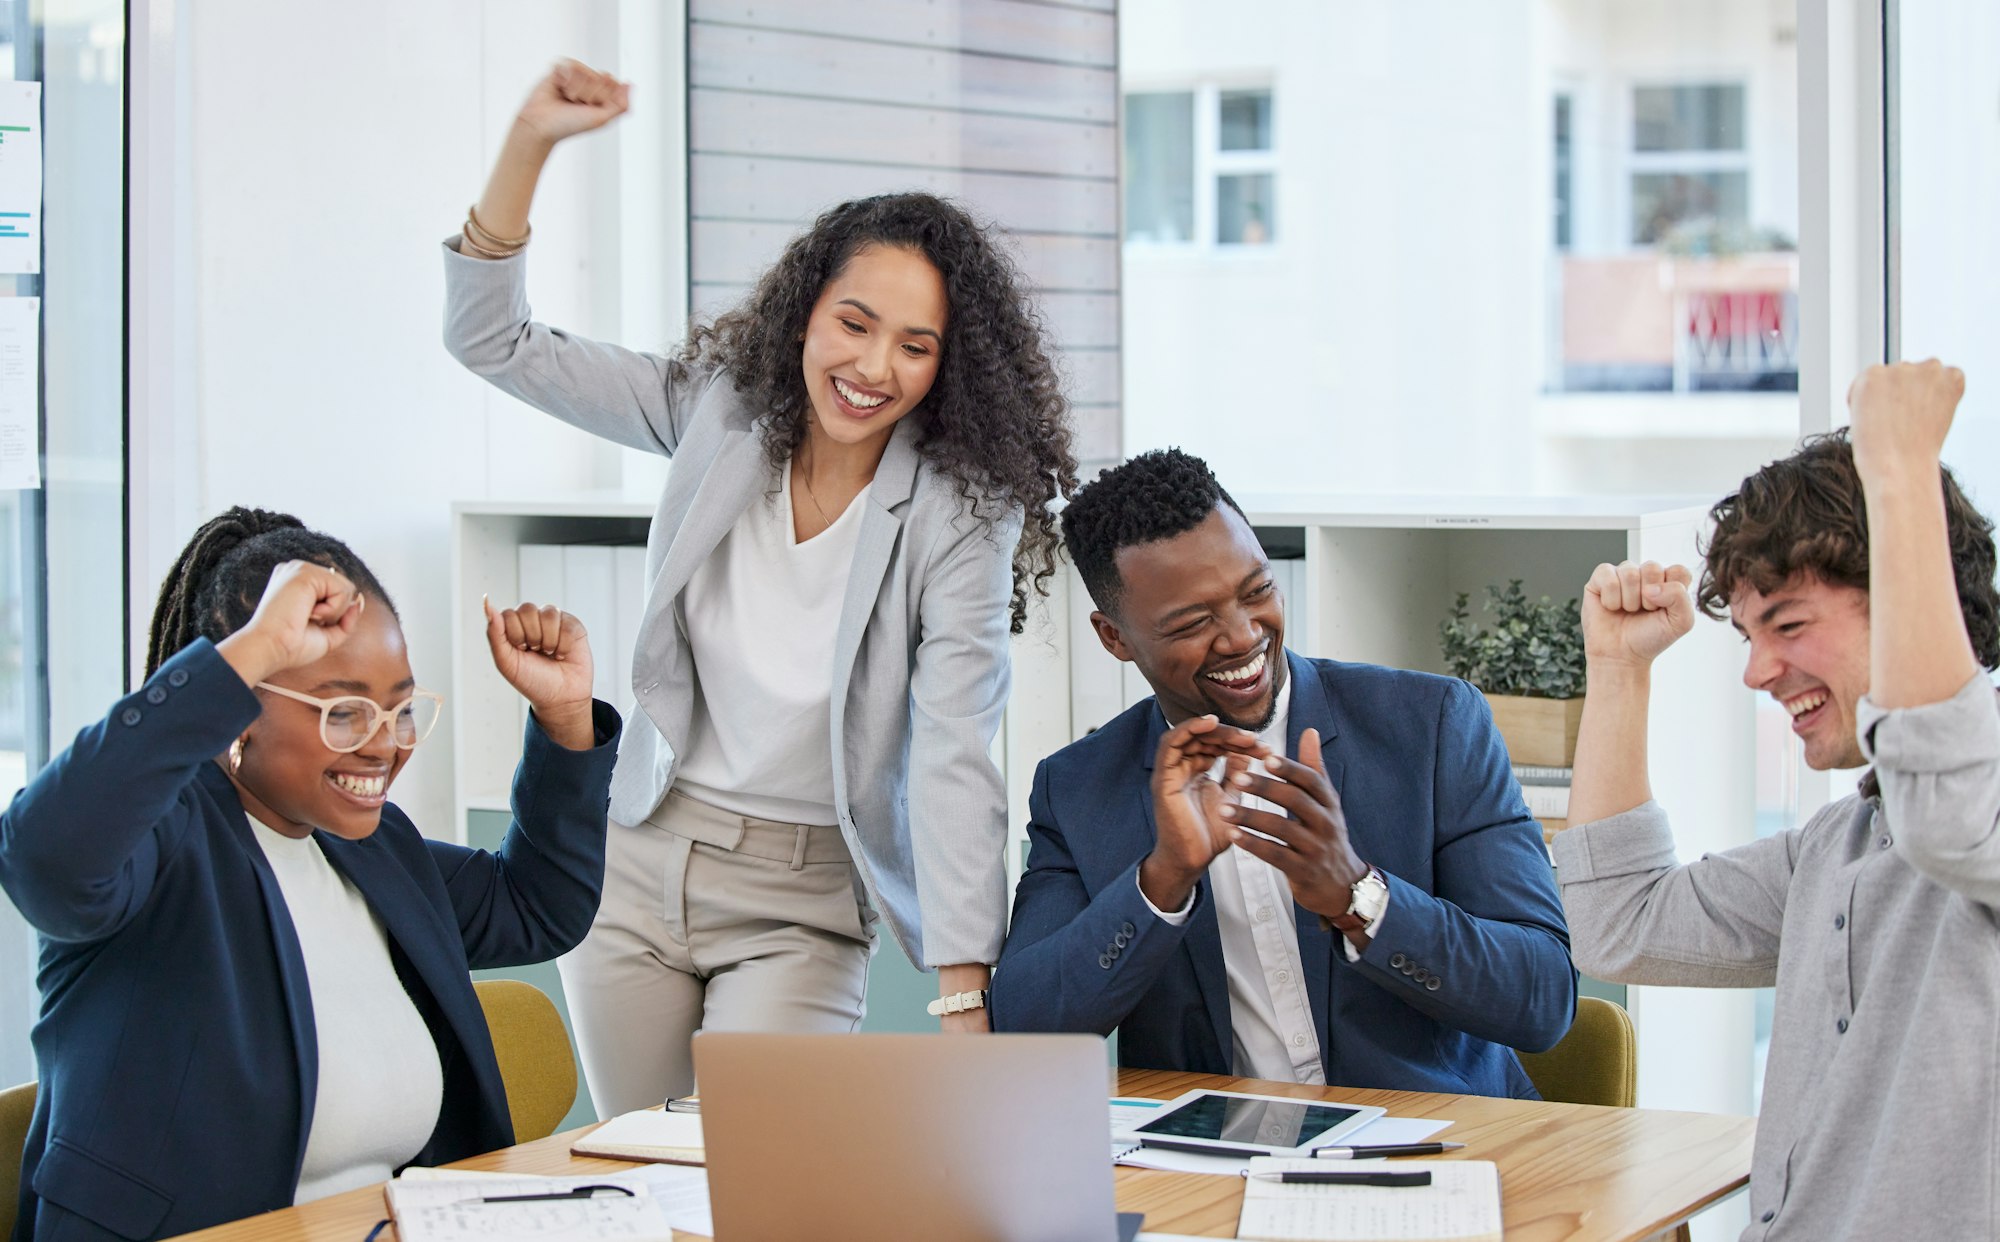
x=1862 y=580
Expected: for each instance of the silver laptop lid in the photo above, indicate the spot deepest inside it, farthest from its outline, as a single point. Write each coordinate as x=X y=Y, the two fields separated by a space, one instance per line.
x=949 y=1138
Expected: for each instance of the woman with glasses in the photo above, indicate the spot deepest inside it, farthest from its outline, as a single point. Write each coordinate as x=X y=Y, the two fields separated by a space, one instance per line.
x=253 y=966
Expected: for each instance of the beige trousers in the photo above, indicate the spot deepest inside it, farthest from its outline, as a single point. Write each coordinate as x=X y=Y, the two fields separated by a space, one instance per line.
x=712 y=921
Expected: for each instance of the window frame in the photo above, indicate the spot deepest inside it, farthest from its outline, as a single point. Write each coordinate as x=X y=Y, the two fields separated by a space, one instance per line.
x=1690 y=161
x=1211 y=163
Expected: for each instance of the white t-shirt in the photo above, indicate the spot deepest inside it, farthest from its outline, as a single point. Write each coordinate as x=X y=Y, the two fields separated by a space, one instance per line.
x=761 y=615
x=380 y=1084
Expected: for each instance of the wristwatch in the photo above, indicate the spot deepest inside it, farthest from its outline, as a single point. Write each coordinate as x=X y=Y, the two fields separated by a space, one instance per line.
x=957 y=1002
x=1370 y=897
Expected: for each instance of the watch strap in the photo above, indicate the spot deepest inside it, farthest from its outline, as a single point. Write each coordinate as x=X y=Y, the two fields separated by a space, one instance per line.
x=957 y=1002
x=1353 y=920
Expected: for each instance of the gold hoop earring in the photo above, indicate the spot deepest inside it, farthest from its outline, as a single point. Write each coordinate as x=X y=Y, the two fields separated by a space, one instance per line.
x=235 y=755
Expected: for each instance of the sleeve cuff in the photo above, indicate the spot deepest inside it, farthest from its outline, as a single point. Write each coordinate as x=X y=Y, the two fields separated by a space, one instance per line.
x=1630 y=842
x=1937 y=737
x=1179 y=917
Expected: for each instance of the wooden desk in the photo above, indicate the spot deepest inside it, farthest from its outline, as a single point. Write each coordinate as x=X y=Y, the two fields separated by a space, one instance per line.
x=1568 y=1172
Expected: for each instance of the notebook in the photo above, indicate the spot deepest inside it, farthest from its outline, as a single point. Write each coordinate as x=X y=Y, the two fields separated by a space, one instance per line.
x=647 y=1135
x=458 y=1209
x=1462 y=1204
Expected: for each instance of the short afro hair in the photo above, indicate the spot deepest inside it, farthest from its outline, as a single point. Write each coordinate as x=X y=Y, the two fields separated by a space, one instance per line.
x=1154 y=496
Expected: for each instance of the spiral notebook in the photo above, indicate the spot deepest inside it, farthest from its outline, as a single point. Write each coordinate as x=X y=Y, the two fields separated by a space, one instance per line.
x=523 y=1209
x=1462 y=1204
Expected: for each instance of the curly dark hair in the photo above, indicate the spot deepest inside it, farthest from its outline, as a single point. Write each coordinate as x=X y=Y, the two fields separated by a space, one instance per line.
x=995 y=419
x=1806 y=514
x=219 y=578
x=1154 y=496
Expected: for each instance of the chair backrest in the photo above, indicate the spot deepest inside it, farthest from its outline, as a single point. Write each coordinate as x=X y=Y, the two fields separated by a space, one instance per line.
x=536 y=1063
x=17 y=1105
x=1596 y=1063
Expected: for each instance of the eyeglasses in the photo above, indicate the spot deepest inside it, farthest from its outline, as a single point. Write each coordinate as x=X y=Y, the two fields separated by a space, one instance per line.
x=346 y=723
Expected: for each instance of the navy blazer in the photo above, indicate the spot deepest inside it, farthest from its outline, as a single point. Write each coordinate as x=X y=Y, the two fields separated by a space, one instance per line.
x=1473 y=955
x=176 y=1043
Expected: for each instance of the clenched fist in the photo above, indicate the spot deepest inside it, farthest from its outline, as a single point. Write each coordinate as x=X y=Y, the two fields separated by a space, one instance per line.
x=1631 y=613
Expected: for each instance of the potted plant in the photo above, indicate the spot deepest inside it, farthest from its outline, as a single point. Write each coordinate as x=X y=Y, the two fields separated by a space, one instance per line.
x=1527 y=658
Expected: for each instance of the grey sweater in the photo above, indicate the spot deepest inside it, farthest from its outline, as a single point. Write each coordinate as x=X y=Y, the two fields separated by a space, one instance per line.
x=1876 y=921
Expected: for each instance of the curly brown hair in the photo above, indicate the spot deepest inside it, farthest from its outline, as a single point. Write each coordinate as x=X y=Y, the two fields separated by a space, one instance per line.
x=1806 y=514
x=995 y=419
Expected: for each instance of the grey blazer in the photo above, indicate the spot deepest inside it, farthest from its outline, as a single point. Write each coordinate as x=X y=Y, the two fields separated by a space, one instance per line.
x=920 y=667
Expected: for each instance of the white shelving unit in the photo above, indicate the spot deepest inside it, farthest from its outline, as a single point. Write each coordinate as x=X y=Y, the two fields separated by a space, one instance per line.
x=1371 y=578
x=485 y=559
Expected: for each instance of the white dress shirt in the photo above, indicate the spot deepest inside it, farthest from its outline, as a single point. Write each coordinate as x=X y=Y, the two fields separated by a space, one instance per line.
x=1271 y=1021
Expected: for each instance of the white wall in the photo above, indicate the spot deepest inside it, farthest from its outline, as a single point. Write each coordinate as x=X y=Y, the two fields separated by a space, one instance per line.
x=331 y=152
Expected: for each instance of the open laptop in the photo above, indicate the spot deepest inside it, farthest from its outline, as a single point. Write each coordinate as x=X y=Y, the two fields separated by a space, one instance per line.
x=946 y=1138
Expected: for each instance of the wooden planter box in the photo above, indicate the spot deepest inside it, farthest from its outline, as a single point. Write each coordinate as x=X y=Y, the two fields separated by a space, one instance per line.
x=1538 y=731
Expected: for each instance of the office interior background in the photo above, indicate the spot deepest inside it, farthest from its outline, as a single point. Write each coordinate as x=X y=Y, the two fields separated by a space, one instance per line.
x=1362 y=249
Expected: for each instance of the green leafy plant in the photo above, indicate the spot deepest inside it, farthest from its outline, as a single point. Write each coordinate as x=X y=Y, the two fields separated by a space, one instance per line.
x=1527 y=647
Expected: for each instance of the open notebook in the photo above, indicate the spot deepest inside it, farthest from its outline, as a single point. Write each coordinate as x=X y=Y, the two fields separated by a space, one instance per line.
x=446 y=1208
x=1461 y=1204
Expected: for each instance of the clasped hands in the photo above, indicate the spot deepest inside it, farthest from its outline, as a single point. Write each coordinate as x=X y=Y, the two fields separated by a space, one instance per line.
x=1198 y=812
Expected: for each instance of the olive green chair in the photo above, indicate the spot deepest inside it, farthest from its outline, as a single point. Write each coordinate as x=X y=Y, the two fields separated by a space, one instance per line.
x=1596 y=1063
x=17 y=1104
x=536 y=1063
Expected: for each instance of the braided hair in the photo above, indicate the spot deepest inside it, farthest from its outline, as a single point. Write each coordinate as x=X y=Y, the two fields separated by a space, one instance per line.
x=219 y=578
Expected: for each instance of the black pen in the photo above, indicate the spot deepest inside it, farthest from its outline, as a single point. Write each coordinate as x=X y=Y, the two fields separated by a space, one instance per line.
x=1339 y=1177
x=1386 y=1149
x=580 y=1192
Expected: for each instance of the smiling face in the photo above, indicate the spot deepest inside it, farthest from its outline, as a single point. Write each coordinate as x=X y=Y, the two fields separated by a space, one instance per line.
x=1809 y=651
x=1201 y=617
x=874 y=342
x=289 y=778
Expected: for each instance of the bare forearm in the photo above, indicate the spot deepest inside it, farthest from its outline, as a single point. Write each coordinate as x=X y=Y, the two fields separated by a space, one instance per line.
x=1610 y=774
x=1918 y=648
x=510 y=190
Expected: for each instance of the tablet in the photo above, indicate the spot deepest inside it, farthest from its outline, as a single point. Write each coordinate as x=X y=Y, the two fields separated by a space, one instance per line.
x=1264 y=1124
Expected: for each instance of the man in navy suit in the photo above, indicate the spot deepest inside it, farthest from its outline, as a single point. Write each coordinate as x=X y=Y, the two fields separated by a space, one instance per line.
x=1275 y=867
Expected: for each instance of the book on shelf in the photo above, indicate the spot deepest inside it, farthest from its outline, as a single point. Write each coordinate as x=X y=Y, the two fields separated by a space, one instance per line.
x=1547 y=801
x=1540 y=774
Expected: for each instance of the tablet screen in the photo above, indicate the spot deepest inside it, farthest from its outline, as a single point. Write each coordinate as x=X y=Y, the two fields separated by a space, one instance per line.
x=1269 y=1123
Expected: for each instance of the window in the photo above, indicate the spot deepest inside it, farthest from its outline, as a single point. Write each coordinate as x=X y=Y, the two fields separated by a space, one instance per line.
x=1201 y=167
x=1159 y=167
x=62 y=551
x=1690 y=164
x=1564 y=203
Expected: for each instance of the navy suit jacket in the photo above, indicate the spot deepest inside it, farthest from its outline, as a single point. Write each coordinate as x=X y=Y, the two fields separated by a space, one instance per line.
x=1472 y=958
x=176 y=1045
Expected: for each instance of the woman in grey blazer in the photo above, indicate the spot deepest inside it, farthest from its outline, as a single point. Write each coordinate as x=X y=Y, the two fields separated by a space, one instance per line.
x=865 y=454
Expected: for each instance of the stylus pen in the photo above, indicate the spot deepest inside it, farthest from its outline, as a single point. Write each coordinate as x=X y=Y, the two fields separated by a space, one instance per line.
x=1332 y=1177
x=1386 y=1149
x=1203 y=1149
